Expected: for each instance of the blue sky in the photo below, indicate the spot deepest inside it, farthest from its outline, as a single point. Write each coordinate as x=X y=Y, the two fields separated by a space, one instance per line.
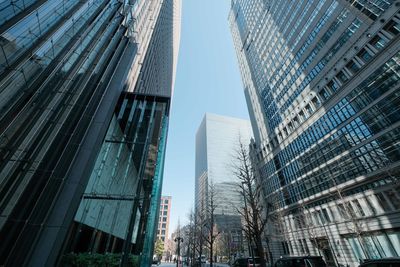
x=207 y=80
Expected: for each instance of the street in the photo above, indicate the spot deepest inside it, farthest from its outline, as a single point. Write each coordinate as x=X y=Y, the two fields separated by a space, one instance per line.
x=171 y=264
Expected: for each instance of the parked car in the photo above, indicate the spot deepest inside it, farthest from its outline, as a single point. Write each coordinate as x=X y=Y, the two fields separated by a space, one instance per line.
x=200 y=261
x=155 y=262
x=386 y=262
x=247 y=262
x=306 y=261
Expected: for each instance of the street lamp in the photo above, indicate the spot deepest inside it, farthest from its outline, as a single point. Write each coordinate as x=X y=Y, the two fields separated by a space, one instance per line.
x=179 y=240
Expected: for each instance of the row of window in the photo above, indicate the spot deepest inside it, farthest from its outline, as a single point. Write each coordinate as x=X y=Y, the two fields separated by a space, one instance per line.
x=162 y=206
x=392 y=28
x=382 y=244
x=363 y=160
x=163 y=213
x=363 y=206
x=372 y=8
x=319 y=45
x=11 y=8
x=163 y=218
x=294 y=91
x=163 y=225
x=384 y=79
x=290 y=77
x=162 y=232
x=47 y=53
x=374 y=245
x=273 y=58
x=23 y=35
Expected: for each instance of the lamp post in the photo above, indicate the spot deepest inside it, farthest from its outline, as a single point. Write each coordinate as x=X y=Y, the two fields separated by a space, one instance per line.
x=178 y=240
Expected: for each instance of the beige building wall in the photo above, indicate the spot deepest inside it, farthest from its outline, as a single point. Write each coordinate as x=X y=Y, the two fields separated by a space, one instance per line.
x=163 y=221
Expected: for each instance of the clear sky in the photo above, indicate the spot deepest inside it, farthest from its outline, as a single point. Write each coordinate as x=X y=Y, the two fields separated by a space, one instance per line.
x=207 y=80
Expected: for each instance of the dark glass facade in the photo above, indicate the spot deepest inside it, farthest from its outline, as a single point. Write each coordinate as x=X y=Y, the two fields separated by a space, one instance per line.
x=322 y=82
x=70 y=107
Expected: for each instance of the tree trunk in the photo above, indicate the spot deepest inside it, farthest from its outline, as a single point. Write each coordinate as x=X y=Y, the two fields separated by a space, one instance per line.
x=211 y=255
x=260 y=250
x=271 y=259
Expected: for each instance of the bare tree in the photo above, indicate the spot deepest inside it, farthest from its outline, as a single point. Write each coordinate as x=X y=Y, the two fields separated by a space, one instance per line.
x=255 y=213
x=210 y=233
x=199 y=222
x=191 y=236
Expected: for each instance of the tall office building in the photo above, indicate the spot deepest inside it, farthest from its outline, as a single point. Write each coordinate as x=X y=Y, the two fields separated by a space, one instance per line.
x=85 y=89
x=217 y=139
x=163 y=221
x=321 y=80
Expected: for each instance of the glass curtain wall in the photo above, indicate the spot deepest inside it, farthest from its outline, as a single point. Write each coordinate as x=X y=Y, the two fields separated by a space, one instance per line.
x=125 y=181
x=55 y=60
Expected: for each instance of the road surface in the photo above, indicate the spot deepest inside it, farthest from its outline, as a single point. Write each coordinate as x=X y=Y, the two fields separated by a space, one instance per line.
x=165 y=264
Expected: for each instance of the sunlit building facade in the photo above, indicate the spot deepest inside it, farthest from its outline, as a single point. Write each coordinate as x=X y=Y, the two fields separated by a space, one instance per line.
x=85 y=90
x=321 y=80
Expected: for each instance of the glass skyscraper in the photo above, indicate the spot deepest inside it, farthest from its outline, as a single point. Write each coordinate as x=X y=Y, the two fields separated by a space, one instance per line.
x=85 y=90
x=217 y=141
x=321 y=80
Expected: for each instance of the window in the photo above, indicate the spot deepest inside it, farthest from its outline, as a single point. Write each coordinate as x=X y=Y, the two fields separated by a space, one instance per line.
x=342 y=77
x=370 y=205
x=364 y=55
x=309 y=109
x=326 y=215
x=324 y=94
x=383 y=202
x=332 y=86
x=316 y=102
x=352 y=66
x=296 y=121
x=316 y=218
x=302 y=251
x=359 y=208
x=342 y=211
x=307 y=250
x=393 y=199
x=165 y=213
x=392 y=27
x=377 y=42
x=285 y=247
x=302 y=116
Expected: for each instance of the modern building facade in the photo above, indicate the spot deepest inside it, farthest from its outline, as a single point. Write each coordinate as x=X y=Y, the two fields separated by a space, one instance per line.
x=216 y=142
x=85 y=89
x=163 y=221
x=321 y=80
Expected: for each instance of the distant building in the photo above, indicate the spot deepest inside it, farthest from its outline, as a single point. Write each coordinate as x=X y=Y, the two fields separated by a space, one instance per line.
x=321 y=79
x=216 y=142
x=163 y=222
